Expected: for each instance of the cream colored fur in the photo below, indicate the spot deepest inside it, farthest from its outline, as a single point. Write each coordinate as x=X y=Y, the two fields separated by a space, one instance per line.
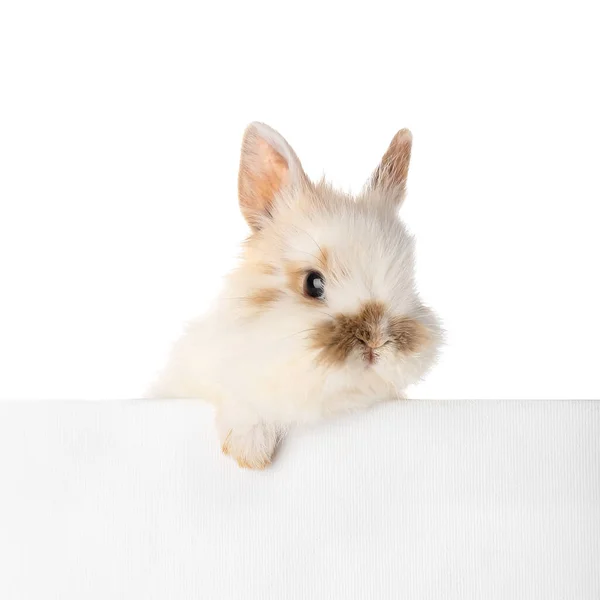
x=254 y=361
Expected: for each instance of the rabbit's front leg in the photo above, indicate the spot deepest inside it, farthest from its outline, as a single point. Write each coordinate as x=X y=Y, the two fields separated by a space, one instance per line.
x=245 y=437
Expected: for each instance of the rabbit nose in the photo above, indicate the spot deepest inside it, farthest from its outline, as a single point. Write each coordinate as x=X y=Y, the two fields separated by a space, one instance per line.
x=370 y=339
x=375 y=343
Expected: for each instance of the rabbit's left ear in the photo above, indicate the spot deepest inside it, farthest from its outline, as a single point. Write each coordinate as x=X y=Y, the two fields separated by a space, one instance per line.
x=390 y=176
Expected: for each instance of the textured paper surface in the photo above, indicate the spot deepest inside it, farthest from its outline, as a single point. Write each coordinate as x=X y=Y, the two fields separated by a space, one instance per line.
x=440 y=500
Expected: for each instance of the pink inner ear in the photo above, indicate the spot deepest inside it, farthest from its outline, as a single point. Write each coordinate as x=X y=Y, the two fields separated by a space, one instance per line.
x=263 y=172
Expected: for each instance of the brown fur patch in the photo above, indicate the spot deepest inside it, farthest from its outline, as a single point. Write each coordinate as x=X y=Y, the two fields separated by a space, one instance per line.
x=267 y=269
x=408 y=335
x=295 y=274
x=264 y=297
x=368 y=321
x=336 y=339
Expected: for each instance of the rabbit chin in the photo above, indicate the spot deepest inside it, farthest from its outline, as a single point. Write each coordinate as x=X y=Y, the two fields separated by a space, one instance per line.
x=387 y=374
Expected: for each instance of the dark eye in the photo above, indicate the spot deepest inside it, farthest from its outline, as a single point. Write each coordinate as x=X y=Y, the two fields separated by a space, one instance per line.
x=314 y=284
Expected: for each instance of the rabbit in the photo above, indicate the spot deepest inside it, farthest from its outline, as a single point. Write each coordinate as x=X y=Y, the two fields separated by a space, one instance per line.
x=321 y=317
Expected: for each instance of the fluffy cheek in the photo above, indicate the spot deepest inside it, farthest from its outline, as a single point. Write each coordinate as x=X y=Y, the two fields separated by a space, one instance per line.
x=412 y=356
x=407 y=336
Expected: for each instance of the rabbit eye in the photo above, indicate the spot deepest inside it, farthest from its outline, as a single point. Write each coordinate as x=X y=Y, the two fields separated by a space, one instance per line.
x=314 y=285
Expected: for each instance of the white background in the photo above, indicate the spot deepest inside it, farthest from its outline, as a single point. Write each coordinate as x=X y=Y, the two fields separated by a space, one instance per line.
x=120 y=124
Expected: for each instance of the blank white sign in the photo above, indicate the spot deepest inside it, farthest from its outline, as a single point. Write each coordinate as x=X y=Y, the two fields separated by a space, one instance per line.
x=440 y=500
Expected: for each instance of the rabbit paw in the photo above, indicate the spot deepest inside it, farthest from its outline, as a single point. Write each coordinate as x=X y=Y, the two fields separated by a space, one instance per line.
x=251 y=446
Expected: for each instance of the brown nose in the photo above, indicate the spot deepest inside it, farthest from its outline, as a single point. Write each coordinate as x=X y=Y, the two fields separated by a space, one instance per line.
x=370 y=338
x=369 y=325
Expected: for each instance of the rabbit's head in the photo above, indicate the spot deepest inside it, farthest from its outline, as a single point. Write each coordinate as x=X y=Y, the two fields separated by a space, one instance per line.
x=339 y=268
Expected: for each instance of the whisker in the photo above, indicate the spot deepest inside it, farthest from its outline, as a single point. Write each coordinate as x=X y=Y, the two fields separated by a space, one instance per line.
x=328 y=314
x=297 y=333
x=304 y=252
x=315 y=241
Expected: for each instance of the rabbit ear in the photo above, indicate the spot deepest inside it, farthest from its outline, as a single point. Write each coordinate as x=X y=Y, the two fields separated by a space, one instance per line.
x=267 y=165
x=390 y=176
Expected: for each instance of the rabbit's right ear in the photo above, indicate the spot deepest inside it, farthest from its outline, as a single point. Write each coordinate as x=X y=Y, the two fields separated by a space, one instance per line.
x=267 y=165
x=391 y=174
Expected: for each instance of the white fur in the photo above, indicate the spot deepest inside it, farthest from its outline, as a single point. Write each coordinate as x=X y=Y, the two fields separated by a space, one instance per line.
x=258 y=368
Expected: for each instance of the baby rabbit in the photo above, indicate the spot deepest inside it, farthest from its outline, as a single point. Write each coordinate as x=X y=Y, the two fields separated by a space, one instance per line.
x=320 y=317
